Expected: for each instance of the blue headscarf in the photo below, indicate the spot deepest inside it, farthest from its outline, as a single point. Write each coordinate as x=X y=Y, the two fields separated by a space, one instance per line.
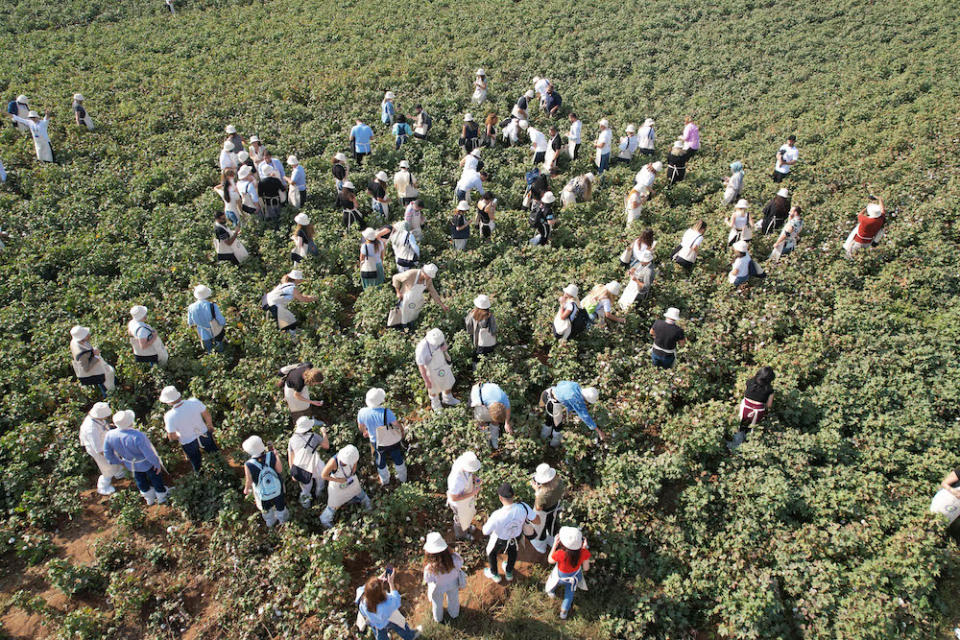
x=736 y=167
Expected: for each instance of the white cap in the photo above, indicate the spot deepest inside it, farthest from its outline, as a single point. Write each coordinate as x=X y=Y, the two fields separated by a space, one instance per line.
x=435 y=543
x=22 y=98
x=227 y=145
x=304 y=424
x=340 y=156
x=468 y=462
x=742 y=204
x=482 y=301
x=202 y=292
x=481 y=72
x=523 y=124
x=169 y=394
x=382 y=176
x=369 y=234
x=648 y=122
x=375 y=397
x=613 y=287
x=435 y=337
x=784 y=193
x=296 y=274
x=292 y=161
x=467 y=117
x=430 y=270
x=138 y=312
x=230 y=129
x=657 y=166
x=604 y=122
x=33 y=114
x=404 y=164
x=348 y=185
x=243 y=156
x=672 y=314
x=389 y=95
x=590 y=394
x=545 y=473
x=529 y=94
x=631 y=128
x=476 y=152
x=678 y=144
x=463 y=206
x=348 y=455
x=253 y=446
x=302 y=219
x=645 y=256
x=78 y=97
x=548 y=197
x=244 y=171
x=741 y=246
x=874 y=210
x=254 y=139
x=571 y=537
x=79 y=333
x=124 y=419
x=572 y=290
x=100 y=411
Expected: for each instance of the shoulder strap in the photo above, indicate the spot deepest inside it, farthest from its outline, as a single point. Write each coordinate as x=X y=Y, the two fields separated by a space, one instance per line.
x=384 y=416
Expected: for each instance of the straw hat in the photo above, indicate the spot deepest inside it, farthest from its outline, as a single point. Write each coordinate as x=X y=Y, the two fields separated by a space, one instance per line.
x=657 y=166
x=243 y=156
x=604 y=123
x=78 y=97
x=348 y=185
x=649 y=122
x=33 y=114
x=481 y=72
x=389 y=95
x=523 y=124
x=404 y=164
x=292 y=161
x=631 y=128
x=463 y=206
x=244 y=171
x=228 y=146
x=340 y=157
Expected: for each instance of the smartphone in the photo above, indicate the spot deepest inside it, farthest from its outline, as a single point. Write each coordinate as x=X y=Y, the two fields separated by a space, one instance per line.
x=389 y=571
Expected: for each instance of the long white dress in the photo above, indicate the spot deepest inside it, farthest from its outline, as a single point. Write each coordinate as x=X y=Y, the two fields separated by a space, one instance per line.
x=41 y=141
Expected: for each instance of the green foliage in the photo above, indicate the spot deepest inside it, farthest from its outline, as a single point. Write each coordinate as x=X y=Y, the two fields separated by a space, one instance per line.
x=128 y=506
x=72 y=579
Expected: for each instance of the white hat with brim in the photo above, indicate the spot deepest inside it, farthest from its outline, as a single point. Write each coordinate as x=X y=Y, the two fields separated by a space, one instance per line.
x=389 y=95
x=369 y=234
x=649 y=122
x=435 y=337
x=463 y=206
x=124 y=419
x=348 y=185
x=22 y=99
x=874 y=210
x=99 y=411
x=631 y=128
x=672 y=314
x=677 y=144
x=202 y=292
x=304 y=424
x=253 y=446
x=529 y=94
x=435 y=543
x=545 y=473
x=243 y=156
x=169 y=394
x=590 y=394
x=468 y=462
x=657 y=166
x=742 y=204
x=296 y=274
x=339 y=156
x=613 y=287
x=482 y=301
x=571 y=538
x=476 y=152
x=244 y=171
x=589 y=176
x=292 y=161
x=230 y=129
x=302 y=219
x=79 y=333
x=33 y=114
x=572 y=290
x=348 y=455
x=404 y=164
x=548 y=197
x=467 y=117
x=382 y=176
x=430 y=270
x=604 y=122
x=481 y=72
x=375 y=397
x=741 y=246
x=78 y=97
x=784 y=193
x=645 y=256
x=138 y=312
x=254 y=139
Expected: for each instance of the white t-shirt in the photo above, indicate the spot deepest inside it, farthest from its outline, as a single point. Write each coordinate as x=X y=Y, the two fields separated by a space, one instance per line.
x=541 y=86
x=691 y=238
x=457 y=482
x=470 y=162
x=470 y=180
x=645 y=178
x=507 y=521
x=646 y=137
x=575 y=128
x=628 y=145
x=538 y=140
x=604 y=140
x=604 y=305
x=740 y=268
x=227 y=159
x=788 y=154
x=186 y=420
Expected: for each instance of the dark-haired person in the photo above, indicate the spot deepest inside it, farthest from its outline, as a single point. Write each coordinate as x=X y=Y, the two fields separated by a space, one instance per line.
x=361 y=140
x=401 y=130
x=571 y=558
x=757 y=400
x=787 y=156
x=469 y=133
x=80 y=113
x=470 y=181
x=552 y=102
x=226 y=242
x=379 y=202
x=460 y=226
x=303 y=243
x=379 y=603
x=371 y=256
x=482 y=327
x=339 y=169
x=227 y=190
x=422 y=123
x=554 y=145
x=676 y=163
x=442 y=573
x=505 y=527
x=271 y=186
x=789 y=235
x=486 y=214
x=573 y=136
x=297 y=380
x=775 y=212
x=351 y=209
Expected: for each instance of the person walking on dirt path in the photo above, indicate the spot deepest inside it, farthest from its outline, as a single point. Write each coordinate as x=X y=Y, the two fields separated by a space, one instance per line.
x=443 y=574
x=133 y=449
x=463 y=486
x=505 y=527
x=189 y=423
x=570 y=557
x=93 y=432
x=262 y=476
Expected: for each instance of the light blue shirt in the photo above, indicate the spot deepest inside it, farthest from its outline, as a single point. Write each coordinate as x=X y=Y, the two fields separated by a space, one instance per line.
x=362 y=135
x=131 y=448
x=373 y=418
x=299 y=178
x=402 y=129
x=487 y=394
x=199 y=315
x=570 y=396
x=379 y=618
x=3 y=173
x=387 y=111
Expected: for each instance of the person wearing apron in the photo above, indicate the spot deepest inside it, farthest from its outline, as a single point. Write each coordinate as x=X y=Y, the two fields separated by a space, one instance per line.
x=228 y=159
x=93 y=430
x=491 y=410
x=147 y=346
x=480 y=87
x=235 y=137
x=413 y=216
x=206 y=317
x=733 y=184
x=789 y=236
x=573 y=136
x=296 y=380
x=757 y=400
x=343 y=484
x=641 y=275
x=256 y=149
x=667 y=336
x=278 y=298
x=443 y=574
x=776 y=212
x=628 y=145
x=410 y=287
x=567 y=396
x=482 y=327
x=647 y=138
x=296 y=183
x=405 y=247
x=388 y=110
x=379 y=202
x=433 y=360
x=740 y=223
x=247 y=187
x=602 y=146
x=946 y=502
x=227 y=243
x=570 y=557
x=568 y=313
x=645 y=179
x=88 y=365
x=339 y=171
x=19 y=107
x=227 y=190
x=371 y=257
x=80 y=113
x=463 y=486
x=633 y=205
x=263 y=466
x=548 y=490
x=133 y=449
x=505 y=527
x=303 y=458
x=677 y=163
x=405 y=184
x=486 y=214
x=459 y=227
x=351 y=208
x=381 y=427
x=38 y=130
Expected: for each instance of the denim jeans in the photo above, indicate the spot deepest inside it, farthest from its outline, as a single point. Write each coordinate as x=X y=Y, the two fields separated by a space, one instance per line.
x=568 y=590
x=740 y=280
x=232 y=217
x=149 y=479
x=192 y=449
x=384 y=634
x=664 y=361
x=395 y=454
x=215 y=343
x=604 y=163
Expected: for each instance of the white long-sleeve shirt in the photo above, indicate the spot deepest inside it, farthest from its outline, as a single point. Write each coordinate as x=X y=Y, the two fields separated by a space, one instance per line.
x=574 y=134
x=37 y=129
x=538 y=140
x=507 y=521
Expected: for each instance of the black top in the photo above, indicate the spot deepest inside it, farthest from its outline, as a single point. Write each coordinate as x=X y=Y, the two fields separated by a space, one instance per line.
x=270 y=187
x=459 y=220
x=553 y=100
x=679 y=161
x=339 y=171
x=778 y=208
x=666 y=335
x=265 y=459
x=80 y=111
x=470 y=130
x=758 y=391
x=556 y=143
x=221 y=232
x=539 y=187
x=294 y=378
x=376 y=190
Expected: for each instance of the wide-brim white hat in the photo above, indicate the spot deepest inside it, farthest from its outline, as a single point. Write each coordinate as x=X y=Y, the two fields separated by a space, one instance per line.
x=244 y=171
x=604 y=123
x=375 y=397
x=304 y=424
x=230 y=129
x=572 y=290
x=292 y=161
x=382 y=176
x=348 y=455
x=476 y=152
x=741 y=246
x=631 y=128
x=100 y=411
x=468 y=461
x=874 y=210
x=169 y=394
x=784 y=193
x=302 y=219
x=645 y=256
x=571 y=537
x=463 y=206
x=481 y=72
x=649 y=122
x=295 y=274
x=545 y=473
x=590 y=394
x=253 y=446
x=529 y=93
x=22 y=99
x=482 y=301
x=138 y=312
x=348 y=185
x=404 y=164
x=202 y=292
x=78 y=97
x=33 y=114
x=548 y=197
x=435 y=543
x=124 y=419
x=468 y=117
x=435 y=337
x=254 y=139
x=613 y=287
x=79 y=332
x=228 y=146
x=243 y=156
x=742 y=204
x=430 y=270
x=657 y=166
x=340 y=156
x=369 y=234
x=672 y=314
x=523 y=124
x=389 y=95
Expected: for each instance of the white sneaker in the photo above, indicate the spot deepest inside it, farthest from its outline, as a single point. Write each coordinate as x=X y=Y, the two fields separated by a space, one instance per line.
x=492 y=575
x=449 y=400
x=435 y=403
x=162 y=497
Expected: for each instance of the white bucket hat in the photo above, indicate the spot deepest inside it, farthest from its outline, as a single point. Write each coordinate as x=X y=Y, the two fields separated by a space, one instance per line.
x=678 y=144
x=590 y=394
x=435 y=337
x=124 y=419
x=589 y=176
x=33 y=114
x=304 y=424
x=430 y=270
x=369 y=234
x=784 y=193
x=529 y=94
x=571 y=537
x=468 y=462
x=476 y=152
x=481 y=72
x=523 y=124
x=631 y=128
x=435 y=543
x=482 y=301
x=254 y=139
x=467 y=117
x=572 y=290
x=78 y=97
x=138 y=312
x=613 y=287
x=230 y=129
x=382 y=176
x=375 y=397
x=348 y=455
x=741 y=246
x=79 y=333
x=292 y=161
x=100 y=411
x=657 y=166
x=404 y=164
x=348 y=185
x=548 y=197
x=649 y=122
x=535 y=80
x=302 y=219
x=202 y=292
x=604 y=123
x=672 y=314
x=340 y=156
x=253 y=446
x=296 y=274
x=545 y=473
x=244 y=171
x=389 y=95
x=742 y=204
x=22 y=99
x=243 y=156
x=169 y=394
x=645 y=256
x=463 y=206
x=874 y=210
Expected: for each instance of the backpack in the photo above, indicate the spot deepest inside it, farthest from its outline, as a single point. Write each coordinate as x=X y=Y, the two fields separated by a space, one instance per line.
x=536 y=215
x=268 y=485
x=578 y=321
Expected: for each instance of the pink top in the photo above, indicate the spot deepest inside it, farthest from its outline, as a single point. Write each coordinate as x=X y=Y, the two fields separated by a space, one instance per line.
x=691 y=135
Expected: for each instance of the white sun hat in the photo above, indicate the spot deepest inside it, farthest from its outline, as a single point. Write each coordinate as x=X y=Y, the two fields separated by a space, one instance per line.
x=202 y=292
x=548 y=197
x=571 y=537
x=254 y=139
x=302 y=219
x=572 y=290
x=340 y=156
x=78 y=97
x=404 y=164
x=382 y=176
x=604 y=123
x=741 y=246
x=169 y=394
x=369 y=234
x=468 y=462
x=33 y=114
x=590 y=394
x=545 y=473
x=292 y=161
x=22 y=98
x=375 y=397
x=645 y=256
x=243 y=156
x=435 y=337
x=672 y=314
x=874 y=210
x=430 y=270
x=482 y=301
x=79 y=333
x=649 y=122
x=742 y=204
x=230 y=129
x=244 y=171
x=124 y=419
x=348 y=455
x=138 y=312
x=657 y=166
x=389 y=95
x=304 y=424
x=476 y=152
x=348 y=185
x=529 y=94
x=435 y=543
x=481 y=72
x=253 y=446
x=100 y=411
x=296 y=274
x=613 y=287
x=463 y=206
x=631 y=128
x=784 y=193
x=468 y=117
x=227 y=145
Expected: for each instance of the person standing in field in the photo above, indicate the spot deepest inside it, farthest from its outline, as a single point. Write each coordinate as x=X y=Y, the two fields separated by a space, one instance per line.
x=685 y=254
x=207 y=318
x=570 y=320
x=189 y=423
x=339 y=170
x=538 y=144
x=642 y=272
x=380 y=425
x=88 y=365
x=401 y=130
x=228 y=193
x=371 y=257
x=645 y=178
x=228 y=159
x=262 y=476
x=411 y=285
x=869 y=227
x=460 y=226
x=422 y=123
x=775 y=212
x=740 y=223
x=486 y=214
x=491 y=410
x=133 y=449
x=379 y=201
x=548 y=489
x=552 y=102
x=463 y=486
x=479 y=87
x=469 y=133
x=226 y=243
x=296 y=183
x=304 y=459
x=647 y=138
x=578 y=189
x=413 y=216
x=570 y=557
x=628 y=145
x=482 y=328
x=787 y=156
x=378 y=602
x=303 y=242
x=38 y=130
x=505 y=526
x=405 y=184
x=406 y=251
x=19 y=107
x=733 y=184
x=690 y=137
x=278 y=299
x=361 y=140
x=757 y=401
x=93 y=431
x=343 y=484
x=443 y=574
x=667 y=336
x=388 y=111
x=743 y=267
x=789 y=235
x=574 y=135
x=146 y=343
x=80 y=114
x=602 y=146
x=677 y=163
x=433 y=361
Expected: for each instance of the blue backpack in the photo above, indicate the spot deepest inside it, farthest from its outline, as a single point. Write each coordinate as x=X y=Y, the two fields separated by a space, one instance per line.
x=268 y=485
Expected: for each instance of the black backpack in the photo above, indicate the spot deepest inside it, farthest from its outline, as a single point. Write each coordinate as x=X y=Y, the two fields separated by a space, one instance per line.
x=578 y=321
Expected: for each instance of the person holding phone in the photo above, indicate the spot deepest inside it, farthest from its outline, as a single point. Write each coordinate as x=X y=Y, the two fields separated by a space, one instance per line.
x=570 y=557
x=378 y=602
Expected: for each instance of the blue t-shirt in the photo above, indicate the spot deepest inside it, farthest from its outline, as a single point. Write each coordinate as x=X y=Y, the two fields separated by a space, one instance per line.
x=373 y=418
x=379 y=618
x=299 y=178
x=488 y=393
x=362 y=134
x=402 y=129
